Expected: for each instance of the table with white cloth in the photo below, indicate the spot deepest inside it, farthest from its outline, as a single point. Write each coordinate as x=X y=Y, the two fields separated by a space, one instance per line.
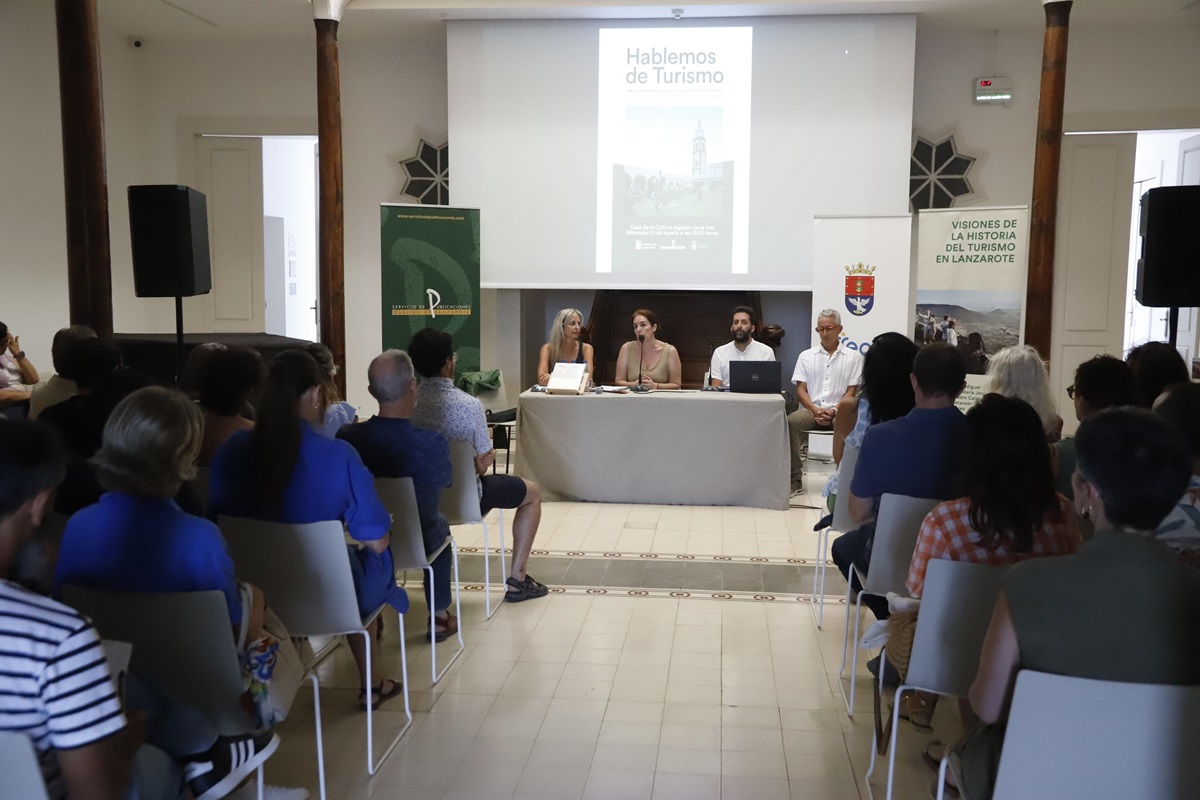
x=668 y=447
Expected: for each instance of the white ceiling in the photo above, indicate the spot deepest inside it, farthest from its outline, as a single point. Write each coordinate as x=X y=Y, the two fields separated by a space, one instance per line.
x=175 y=20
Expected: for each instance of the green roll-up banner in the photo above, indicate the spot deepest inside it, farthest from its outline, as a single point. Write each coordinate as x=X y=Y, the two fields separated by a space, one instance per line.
x=430 y=276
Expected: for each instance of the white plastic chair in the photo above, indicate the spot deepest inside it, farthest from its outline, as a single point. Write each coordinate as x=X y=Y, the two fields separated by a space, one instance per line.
x=408 y=552
x=460 y=505
x=1125 y=740
x=182 y=643
x=19 y=766
x=956 y=608
x=896 y=529
x=304 y=572
x=841 y=524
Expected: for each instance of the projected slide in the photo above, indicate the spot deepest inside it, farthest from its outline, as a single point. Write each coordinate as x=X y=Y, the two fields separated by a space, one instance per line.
x=673 y=151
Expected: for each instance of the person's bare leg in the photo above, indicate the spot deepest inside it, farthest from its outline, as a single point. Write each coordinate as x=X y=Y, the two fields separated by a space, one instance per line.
x=524 y=528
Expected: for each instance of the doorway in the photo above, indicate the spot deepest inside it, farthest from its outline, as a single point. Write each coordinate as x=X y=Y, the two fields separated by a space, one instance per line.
x=290 y=236
x=1164 y=158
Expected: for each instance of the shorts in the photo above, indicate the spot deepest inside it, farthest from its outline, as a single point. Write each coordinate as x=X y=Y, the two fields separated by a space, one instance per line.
x=501 y=491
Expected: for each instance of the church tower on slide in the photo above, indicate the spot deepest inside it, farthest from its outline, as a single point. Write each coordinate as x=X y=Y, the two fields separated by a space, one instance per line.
x=699 y=151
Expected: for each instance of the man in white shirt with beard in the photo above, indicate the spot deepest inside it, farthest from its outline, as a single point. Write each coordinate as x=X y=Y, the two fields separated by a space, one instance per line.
x=742 y=348
x=824 y=375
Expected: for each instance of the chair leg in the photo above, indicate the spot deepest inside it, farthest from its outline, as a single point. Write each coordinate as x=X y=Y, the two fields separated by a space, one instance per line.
x=503 y=568
x=432 y=624
x=373 y=765
x=818 y=595
x=900 y=690
x=437 y=676
x=316 y=685
x=487 y=574
x=260 y=782
x=941 y=787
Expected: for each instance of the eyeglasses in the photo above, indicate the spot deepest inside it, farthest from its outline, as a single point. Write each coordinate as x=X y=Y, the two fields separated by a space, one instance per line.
x=826 y=328
x=1071 y=391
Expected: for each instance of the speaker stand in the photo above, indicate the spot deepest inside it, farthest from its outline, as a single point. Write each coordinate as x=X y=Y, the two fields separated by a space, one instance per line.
x=179 y=359
x=1172 y=324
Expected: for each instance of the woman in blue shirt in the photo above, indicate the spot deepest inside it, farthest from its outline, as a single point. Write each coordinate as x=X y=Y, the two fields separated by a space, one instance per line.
x=285 y=471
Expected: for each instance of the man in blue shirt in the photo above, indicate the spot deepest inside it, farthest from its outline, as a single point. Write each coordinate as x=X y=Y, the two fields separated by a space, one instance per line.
x=918 y=455
x=392 y=447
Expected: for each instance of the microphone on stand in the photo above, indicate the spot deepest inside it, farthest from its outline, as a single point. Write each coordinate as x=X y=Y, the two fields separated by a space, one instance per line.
x=640 y=388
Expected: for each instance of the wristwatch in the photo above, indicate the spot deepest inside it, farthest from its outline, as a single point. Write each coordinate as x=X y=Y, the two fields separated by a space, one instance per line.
x=20 y=355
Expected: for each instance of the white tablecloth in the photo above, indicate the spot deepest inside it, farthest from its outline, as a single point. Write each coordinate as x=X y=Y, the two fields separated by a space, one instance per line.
x=685 y=448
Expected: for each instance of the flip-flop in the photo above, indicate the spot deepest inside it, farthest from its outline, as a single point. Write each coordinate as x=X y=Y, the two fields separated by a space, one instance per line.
x=396 y=689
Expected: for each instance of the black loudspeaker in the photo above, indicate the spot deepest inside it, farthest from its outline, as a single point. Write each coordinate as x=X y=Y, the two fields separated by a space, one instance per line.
x=169 y=228
x=1168 y=273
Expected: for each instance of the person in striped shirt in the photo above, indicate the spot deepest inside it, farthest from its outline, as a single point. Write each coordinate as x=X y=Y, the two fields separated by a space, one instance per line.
x=56 y=688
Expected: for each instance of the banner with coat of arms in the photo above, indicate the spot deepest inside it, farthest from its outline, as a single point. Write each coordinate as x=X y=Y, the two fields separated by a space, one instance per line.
x=861 y=269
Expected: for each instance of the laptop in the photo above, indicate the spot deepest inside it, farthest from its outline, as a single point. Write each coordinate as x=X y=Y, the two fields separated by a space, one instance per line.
x=756 y=377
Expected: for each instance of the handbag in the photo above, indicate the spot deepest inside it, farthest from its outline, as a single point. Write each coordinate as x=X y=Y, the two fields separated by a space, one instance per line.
x=271 y=667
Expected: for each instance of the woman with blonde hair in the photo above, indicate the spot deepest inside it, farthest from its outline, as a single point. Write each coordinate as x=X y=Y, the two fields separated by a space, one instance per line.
x=1021 y=373
x=337 y=412
x=648 y=360
x=564 y=345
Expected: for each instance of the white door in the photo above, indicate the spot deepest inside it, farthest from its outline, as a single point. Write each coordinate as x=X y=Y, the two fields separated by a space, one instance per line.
x=1091 y=258
x=229 y=172
x=1189 y=175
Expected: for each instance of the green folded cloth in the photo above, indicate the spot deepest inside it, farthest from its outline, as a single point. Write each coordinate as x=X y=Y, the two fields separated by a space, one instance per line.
x=476 y=383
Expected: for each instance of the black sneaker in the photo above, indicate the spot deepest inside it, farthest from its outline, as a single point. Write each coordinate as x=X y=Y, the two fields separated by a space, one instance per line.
x=227 y=763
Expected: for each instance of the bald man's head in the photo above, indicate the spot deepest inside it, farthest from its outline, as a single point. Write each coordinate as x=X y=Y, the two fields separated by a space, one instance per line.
x=390 y=376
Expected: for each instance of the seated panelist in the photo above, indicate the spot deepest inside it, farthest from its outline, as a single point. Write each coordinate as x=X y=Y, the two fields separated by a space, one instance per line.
x=742 y=348
x=564 y=345
x=659 y=367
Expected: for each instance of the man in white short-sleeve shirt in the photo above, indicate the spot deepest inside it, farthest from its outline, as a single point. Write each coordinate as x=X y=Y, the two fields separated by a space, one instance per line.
x=742 y=348
x=824 y=375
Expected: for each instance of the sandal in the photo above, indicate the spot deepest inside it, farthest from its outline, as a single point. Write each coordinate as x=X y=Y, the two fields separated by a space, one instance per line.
x=444 y=630
x=538 y=589
x=914 y=709
x=522 y=591
x=383 y=696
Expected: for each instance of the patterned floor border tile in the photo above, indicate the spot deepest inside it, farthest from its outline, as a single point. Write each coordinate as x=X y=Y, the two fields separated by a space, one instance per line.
x=674 y=594
x=801 y=562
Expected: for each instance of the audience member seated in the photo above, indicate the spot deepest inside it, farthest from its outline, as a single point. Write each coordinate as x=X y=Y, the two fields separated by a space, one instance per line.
x=137 y=538
x=885 y=393
x=1100 y=382
x=1180 y=529
x=1008 y=511
x=337 y=411
x=17 y=374
x=56 y=688
x=1156 y=365
x=60 y=385
x=918 y=455
x=742 y=348
x=190 y=378
x=565 y=345
x=459 y=417
x=1021 y=373
x=75 y=418
x=825 y=375
x=656 y=362
x=285 y=471
x=1121 y=609
x=392 y=447
x=228 y=382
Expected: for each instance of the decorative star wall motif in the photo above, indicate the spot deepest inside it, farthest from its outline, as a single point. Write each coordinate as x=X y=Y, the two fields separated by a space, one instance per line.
x=428 y=174
x=939 y=173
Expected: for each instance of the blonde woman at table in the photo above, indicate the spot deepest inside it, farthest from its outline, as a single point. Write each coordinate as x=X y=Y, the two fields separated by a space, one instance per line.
x=564 y=345
x=660 y=368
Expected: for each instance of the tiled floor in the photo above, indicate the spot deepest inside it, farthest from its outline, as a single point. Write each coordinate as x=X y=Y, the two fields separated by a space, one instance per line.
x=611 y=693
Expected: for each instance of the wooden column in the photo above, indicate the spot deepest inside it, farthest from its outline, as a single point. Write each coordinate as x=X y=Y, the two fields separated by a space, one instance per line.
x=331 y=230
x=1039 y=298
x=89 y=267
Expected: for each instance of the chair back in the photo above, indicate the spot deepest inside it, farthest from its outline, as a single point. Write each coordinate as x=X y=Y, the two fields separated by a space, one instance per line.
x=841 y=504
x=407 y=542
x=20 y=768
x=956 y=609
x=303 y=570
x=460 y=502
x=896 y=529
x=1071 y=738
x=182 y=644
